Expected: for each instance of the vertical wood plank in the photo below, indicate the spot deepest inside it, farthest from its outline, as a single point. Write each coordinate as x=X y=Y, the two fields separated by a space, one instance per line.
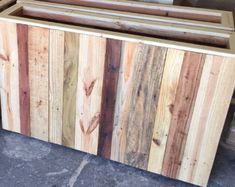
x=111 y=72
x=56 y=81
x=71 y=60
x=9 y=77
x=217 y=81
x=139 y=108
x=22 y=33
x=89 y=92
x=38 y=45
x=181 y=112
x=173 y=64
x=124 y=81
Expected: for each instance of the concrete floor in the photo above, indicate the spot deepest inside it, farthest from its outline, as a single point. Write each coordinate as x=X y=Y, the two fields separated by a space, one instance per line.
x=26 y=162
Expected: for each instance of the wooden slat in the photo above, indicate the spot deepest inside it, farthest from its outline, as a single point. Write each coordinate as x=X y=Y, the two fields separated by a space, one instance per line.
x=38 y=45
x=181 y=112
x=167 y=96
x=125 y=78
x=71 y=60
x=139 y=111
x=9 y=77
x=217 y=82
x=56 y=81
x=22 y=33
x=89 y=91
x=111 y=74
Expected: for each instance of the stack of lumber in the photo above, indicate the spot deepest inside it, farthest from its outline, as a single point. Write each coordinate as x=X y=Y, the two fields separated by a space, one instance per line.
x=137 y=83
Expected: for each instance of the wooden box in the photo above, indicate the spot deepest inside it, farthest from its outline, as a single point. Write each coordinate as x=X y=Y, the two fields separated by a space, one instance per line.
x=155 y=103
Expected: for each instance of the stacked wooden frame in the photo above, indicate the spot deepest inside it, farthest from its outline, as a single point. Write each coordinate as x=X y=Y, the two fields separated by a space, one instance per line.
x=99 y=84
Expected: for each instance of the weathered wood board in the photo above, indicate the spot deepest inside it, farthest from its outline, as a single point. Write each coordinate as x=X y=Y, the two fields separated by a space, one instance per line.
x=149 y=103
x=149 y=11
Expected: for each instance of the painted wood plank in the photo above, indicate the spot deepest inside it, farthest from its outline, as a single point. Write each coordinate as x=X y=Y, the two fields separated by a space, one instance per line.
x=217 y=82
x=22 y=34
x=38 y=45
x=56 y=81
x=111 y=74
x=181 y=112
x=9 y=77
x=71 y=60
x=139 y=107
x=173 y=64
x=89 y=92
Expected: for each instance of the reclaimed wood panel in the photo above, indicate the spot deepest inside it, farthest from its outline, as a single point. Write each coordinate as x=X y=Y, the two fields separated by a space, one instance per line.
x=38 y=51
x=109 y=93
x=71 y=61
x=181 y=112
x=138 y=117
x=170 y=80
x=89 y=90
x=10 y=77
x=56 y=81
x=152 y=107
x=217 y=82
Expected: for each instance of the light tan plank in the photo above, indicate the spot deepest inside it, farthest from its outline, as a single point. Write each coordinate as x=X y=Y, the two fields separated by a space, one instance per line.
x=38 y=81
x=89 y=92
x=71 y=60
x=215 y=92
x=169 y=86
x=9 y=77
x=56 y=81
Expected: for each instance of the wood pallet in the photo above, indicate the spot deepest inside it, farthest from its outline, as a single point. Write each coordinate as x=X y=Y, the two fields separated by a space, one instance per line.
x=164 y=13
x=225 y=25
x=148 y=102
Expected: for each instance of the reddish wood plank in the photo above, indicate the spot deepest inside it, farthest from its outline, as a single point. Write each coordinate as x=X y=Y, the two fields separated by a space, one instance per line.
x=22 y=40
x=181 y=112
x=111 y=72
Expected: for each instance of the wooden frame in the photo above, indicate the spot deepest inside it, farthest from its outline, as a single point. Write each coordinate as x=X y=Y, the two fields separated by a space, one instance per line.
x=130 y=25
x=191 y=16
x=147 y=102
x=6 y=3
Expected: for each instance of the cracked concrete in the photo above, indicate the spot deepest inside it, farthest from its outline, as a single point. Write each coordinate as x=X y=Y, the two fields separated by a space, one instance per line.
x=27 y=162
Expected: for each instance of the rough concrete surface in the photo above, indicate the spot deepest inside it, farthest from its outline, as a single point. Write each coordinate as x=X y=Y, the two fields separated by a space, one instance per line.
x=26 y=162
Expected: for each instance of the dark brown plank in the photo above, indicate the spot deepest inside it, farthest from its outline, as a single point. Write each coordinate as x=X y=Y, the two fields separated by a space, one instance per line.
x=111 y=72
x=22 y=40
x=181 y=112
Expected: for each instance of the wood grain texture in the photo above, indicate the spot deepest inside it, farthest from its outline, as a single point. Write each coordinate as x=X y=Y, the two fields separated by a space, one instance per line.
x=71 y=61
x=181 y=112
x=111 y=74
x=170 y=80
x=9 y=77
x=56 y=81
x=155 y=108
x=119 y=130
x=217 y=81
x=89 y=90
x=138 y=120
x=38 y=46
x=22 y=39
